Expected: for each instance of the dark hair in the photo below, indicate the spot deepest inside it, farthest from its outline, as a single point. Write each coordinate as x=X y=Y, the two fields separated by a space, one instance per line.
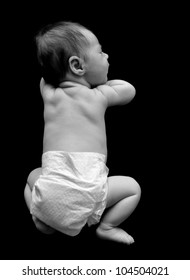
x=56 y=43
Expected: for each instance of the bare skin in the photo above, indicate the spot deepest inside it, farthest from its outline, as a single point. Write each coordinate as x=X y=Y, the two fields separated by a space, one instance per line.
x=74 y=122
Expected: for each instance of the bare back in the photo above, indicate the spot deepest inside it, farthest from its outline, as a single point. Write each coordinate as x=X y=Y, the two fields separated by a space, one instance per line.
x=74 y=119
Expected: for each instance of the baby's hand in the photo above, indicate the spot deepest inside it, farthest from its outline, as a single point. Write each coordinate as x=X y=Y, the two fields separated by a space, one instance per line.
x=46 y=90
x=42 y=83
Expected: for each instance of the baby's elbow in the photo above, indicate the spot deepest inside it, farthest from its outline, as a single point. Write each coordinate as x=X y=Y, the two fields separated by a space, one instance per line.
x=131 y=93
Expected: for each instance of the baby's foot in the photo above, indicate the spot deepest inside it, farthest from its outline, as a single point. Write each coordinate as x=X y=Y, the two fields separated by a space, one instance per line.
x=114 y=234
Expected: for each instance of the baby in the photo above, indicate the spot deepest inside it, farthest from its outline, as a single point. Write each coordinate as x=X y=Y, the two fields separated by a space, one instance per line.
x=73 y=188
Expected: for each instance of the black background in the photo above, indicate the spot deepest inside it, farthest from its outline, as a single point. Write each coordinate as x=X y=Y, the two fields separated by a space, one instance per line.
x=146 y=139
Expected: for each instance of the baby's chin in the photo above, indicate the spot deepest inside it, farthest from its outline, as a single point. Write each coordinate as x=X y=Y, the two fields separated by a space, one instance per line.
x=100 y=83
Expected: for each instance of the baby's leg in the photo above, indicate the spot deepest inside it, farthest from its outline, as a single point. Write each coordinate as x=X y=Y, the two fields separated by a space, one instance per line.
x=123 y=197
x=33 y=176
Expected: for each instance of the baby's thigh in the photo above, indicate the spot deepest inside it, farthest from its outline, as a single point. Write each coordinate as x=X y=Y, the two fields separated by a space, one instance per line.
x=120 y=187
x=33 y=176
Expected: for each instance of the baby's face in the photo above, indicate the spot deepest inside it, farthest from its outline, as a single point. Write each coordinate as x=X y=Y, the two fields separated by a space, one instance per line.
x=96 y=61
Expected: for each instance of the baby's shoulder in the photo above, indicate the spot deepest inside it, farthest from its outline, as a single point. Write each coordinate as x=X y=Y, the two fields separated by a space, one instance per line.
x=85 y=93
x=95 y=96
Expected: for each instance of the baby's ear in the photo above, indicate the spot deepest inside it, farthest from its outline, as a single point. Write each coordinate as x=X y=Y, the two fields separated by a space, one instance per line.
x=77 y=65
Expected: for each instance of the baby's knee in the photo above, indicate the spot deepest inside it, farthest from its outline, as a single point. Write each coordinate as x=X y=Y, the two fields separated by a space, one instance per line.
x=136 y=187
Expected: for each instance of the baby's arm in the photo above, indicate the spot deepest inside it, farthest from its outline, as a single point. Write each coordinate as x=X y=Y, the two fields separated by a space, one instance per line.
x=117 y=92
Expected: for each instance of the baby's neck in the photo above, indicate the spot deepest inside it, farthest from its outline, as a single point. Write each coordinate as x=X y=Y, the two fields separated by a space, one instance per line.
x=71 y=81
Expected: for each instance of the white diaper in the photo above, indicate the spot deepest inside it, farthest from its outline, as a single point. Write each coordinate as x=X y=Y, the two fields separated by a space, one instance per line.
x=71 y=191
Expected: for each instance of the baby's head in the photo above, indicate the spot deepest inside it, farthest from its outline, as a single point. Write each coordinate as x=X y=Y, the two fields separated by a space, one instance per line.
x=69 y=51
